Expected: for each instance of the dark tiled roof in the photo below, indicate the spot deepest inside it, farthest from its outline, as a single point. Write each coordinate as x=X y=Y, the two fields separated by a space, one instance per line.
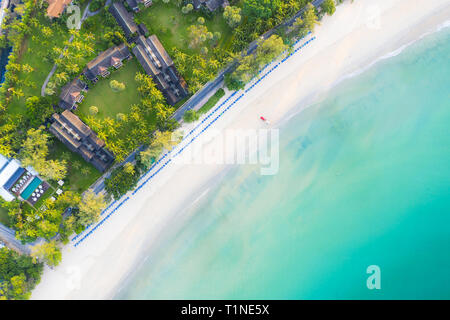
x=70 y=93
x=105 y=60
x=213 y=4
x=123 y=18
x=79 y=138
x=132 y=4
x=142 y=29
x=158 y=64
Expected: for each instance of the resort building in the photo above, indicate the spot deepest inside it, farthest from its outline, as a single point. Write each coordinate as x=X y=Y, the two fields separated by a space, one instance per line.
x=142 y=30
x=78 y=137
x=72 y=94
x=18 y=182
x=134 y=4
x=158 y=64
x=211 y=5
x=124 y=19
x=111 y=58
x=56 y=7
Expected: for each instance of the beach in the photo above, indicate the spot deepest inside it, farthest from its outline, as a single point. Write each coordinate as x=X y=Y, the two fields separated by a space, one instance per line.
x=354 y=38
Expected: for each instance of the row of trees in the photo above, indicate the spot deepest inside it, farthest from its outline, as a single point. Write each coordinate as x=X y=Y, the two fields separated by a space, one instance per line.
x=34 y=153
x=261 y=16
x=16 y=29
x=125 y=178
x=267 y=50
x=249 y=66
x=198 y=69
x=306 y=23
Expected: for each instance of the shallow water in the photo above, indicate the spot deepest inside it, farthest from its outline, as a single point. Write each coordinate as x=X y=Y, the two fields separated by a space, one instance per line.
x=364 y=180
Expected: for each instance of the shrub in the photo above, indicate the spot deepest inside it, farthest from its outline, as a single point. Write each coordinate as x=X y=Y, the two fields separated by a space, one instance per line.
x=93 y=110
x=190 y=116
x=121 y=117
x=116 y=85
x=96 y=5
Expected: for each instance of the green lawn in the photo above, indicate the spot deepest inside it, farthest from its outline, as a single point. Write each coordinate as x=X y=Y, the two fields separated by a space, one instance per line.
x=108 y=102
x=34 y=52
x=170 y=26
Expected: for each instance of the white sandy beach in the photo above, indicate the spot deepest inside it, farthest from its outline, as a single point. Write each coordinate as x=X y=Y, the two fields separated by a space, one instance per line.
x=356 y=36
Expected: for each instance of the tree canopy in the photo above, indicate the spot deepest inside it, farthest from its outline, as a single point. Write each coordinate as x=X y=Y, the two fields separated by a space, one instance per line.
x=34 y=153
x=90 y=208
x=18 y=275
x=250 y=65
x=48 y=252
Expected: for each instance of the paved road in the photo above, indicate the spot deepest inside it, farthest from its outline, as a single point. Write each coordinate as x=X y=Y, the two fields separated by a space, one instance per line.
x=209 y=88
x=8 y=237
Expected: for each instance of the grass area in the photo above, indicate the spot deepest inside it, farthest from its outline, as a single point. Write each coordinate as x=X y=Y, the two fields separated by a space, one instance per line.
x=47 y=194
x=4 y=219
x=80 y=174
x=109 y=102
x=34 y=53
x=212 y=101
x=170 y=25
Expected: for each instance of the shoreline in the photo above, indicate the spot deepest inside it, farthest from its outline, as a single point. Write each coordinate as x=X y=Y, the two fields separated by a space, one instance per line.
x=98 y=267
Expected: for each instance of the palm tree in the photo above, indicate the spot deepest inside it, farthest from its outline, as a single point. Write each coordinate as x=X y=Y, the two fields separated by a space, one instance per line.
x=61 y=77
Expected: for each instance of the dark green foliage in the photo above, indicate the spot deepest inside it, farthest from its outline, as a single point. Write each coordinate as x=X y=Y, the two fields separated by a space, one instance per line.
x=191 y=116
x=121 y=181
x=329 y=7
x=233 y=83
x=39 y=109
x=96 y=5
x=18 y=275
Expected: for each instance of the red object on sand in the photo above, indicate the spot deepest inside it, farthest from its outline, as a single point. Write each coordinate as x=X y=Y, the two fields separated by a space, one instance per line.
x=262 y=118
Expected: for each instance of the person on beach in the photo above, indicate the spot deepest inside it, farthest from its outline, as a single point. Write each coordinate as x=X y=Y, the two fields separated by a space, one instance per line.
x=265 y=120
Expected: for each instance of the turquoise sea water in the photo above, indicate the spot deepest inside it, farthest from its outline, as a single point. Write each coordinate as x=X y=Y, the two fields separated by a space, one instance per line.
x=364 y=180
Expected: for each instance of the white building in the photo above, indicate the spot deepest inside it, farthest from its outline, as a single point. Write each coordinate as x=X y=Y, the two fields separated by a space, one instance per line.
x=14 y=179
x=8 y=167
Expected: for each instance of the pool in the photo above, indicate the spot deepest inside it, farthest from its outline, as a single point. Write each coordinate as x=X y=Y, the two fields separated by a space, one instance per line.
x=31 y=187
